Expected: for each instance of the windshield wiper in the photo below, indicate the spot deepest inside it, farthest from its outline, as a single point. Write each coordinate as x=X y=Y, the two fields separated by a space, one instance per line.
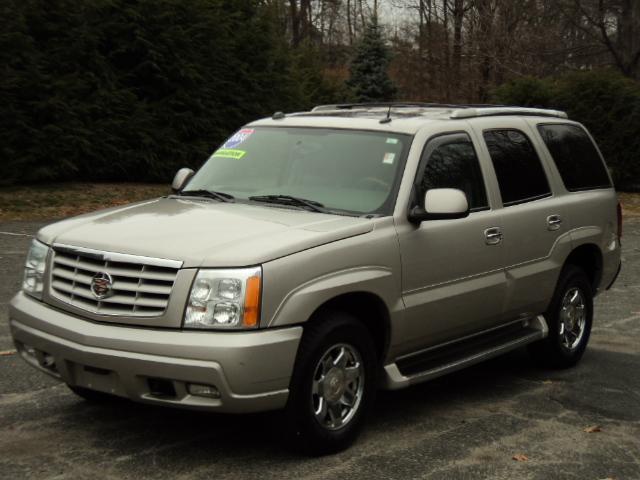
x=222 y=196
x=290 y=200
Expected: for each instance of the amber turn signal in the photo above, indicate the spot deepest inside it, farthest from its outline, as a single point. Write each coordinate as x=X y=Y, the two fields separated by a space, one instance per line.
x=252 y=302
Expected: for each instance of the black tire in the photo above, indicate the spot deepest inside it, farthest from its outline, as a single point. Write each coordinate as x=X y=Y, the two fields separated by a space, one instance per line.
x=93 y=396
x=330 y=330
x=552 y=352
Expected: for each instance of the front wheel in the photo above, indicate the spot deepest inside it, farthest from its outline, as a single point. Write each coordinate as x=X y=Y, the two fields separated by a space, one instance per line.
x=569 y=318
x=333 y=384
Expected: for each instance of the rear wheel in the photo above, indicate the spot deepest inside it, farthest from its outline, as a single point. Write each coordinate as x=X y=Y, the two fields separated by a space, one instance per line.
x=569 y=318
x=333 y=385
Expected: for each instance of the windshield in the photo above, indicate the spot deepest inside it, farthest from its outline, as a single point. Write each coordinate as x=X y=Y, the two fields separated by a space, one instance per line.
x=343 y=170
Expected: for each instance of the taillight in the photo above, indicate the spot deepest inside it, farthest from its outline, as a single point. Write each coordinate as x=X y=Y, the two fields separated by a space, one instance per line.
x=619 y=212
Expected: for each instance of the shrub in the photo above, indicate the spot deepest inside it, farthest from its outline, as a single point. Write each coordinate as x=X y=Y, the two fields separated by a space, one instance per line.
x=106 y=90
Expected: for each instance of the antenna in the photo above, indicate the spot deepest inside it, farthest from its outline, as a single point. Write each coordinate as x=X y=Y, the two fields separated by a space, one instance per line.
x=388 y=117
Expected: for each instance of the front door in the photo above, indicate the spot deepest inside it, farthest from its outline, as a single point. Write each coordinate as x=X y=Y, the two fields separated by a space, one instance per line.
x=453 y=281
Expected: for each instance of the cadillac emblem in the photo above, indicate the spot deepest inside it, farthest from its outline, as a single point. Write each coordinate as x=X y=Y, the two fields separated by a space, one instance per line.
x=102 y=285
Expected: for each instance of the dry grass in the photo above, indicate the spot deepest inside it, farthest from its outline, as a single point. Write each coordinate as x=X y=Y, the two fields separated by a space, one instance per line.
x=630 y=204
x=65 y=200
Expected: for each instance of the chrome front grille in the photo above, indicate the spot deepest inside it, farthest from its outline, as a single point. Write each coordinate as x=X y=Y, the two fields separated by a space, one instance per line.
x=141 y=285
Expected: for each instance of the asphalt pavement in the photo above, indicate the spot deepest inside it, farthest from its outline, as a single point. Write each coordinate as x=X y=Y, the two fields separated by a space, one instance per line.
x=581 y=423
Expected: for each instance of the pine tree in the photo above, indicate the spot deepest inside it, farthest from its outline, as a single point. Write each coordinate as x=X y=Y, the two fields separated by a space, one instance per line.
x=369 y=80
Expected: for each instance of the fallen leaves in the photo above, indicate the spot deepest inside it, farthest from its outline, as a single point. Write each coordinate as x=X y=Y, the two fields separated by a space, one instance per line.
x=61 y=200
x=521 y=457
x=630 y=204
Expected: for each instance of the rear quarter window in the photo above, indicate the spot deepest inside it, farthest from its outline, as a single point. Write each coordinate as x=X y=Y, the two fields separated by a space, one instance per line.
x=576 y=157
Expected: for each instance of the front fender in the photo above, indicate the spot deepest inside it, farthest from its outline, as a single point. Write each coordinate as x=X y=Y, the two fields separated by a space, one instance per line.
x=301 y=302
x=294 y=287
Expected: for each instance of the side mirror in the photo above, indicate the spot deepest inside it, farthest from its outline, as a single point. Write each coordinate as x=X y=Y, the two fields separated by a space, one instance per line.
x=441 y=204
x=180 y=180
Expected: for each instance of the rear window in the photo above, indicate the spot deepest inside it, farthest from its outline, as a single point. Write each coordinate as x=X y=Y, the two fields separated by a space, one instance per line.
x=576 y=157
x=521 y=177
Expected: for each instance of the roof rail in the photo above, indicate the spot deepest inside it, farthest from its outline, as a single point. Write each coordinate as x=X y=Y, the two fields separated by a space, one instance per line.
x=351 y=106
x=493 y=111
x=457 y=111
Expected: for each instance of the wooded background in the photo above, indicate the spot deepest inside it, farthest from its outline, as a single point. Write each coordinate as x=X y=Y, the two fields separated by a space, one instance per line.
x=111 y=90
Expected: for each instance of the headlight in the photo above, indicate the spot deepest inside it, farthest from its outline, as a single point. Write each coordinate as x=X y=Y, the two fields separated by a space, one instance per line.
x=225 y=299
x=33 y=281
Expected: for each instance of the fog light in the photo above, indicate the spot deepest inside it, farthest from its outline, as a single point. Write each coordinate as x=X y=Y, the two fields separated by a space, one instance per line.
x=208 y=391
x=48 y=361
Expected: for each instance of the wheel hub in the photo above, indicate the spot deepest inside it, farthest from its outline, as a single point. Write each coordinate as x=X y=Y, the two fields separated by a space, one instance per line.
x=570 y=317
x=334 y=384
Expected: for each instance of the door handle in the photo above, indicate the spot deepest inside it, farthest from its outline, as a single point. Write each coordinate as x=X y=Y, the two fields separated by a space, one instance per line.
x=493 y=235
x=554 y=222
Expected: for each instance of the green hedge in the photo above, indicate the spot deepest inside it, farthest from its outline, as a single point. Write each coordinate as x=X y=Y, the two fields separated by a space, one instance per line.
x=607 y=103
x=105 y=90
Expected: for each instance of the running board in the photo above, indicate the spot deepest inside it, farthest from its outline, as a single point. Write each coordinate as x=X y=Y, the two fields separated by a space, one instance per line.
x=442 y=359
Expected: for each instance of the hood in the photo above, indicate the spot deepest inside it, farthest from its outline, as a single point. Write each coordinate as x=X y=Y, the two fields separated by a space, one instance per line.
x=201 y=232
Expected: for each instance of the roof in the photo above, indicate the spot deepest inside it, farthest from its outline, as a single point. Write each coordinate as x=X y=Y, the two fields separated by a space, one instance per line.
x=396 y=117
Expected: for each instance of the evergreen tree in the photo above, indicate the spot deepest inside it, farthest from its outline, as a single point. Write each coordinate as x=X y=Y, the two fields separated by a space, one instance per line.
x=369 y=80
x=108 y=90
x=308 y=71
x=606 y=102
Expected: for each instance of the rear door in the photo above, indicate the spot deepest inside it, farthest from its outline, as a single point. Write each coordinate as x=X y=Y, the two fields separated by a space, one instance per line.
x=533 y=217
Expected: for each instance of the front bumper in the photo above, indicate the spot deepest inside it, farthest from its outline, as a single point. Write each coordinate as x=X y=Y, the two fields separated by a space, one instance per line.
x=251 y=370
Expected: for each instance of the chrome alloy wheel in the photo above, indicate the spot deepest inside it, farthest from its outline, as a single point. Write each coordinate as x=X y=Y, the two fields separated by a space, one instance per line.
x=573 y=318
x=338 y=385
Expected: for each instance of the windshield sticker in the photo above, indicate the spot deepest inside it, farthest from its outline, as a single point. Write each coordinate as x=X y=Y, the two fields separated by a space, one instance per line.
x=238 y=137
x=389 y=158
x=392 y=141
x=229 y=153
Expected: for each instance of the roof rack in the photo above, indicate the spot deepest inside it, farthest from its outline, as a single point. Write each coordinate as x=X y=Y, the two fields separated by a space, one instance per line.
x=351 y=106
x=457 y=111
x=493 y=111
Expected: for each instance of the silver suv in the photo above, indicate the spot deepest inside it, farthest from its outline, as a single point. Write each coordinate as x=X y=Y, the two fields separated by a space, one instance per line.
x=318 y=256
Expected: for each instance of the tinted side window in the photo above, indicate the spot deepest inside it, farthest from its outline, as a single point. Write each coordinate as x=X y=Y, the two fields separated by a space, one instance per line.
x=451 y=162
x=576 y=157
x=518 y=168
